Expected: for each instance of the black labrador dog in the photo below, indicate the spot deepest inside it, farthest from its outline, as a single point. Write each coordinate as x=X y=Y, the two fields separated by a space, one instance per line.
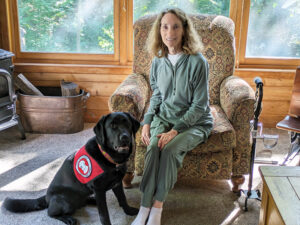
x=86 y=175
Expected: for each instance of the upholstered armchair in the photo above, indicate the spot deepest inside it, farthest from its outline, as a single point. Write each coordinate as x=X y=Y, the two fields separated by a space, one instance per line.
x=226 y=154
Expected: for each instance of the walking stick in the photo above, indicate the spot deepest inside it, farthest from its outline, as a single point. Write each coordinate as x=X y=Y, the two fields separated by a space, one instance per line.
x=254 y=194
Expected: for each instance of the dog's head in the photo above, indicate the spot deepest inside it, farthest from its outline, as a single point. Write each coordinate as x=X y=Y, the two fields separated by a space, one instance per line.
x=115 y=133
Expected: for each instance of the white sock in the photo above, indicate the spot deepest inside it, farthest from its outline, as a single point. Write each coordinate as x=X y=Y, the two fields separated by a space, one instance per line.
x=155 y=216
x=143 y=214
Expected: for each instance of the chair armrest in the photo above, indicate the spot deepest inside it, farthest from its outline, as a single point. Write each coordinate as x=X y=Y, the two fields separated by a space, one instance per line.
x=131 y=96
x=237 y=99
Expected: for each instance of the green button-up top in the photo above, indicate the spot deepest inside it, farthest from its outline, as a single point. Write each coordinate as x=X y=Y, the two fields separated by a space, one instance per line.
x=180 y=93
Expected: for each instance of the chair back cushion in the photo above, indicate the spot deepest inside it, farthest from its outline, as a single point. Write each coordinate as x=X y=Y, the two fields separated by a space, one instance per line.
x=217 y=34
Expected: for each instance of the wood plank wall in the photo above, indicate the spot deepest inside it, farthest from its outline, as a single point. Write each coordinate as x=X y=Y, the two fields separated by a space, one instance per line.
x=277 y=92
x=99 y=82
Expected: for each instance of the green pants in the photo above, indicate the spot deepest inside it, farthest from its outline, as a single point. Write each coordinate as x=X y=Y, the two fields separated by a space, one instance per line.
x=160 y=171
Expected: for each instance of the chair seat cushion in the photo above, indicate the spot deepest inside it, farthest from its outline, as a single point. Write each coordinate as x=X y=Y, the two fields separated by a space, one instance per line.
x=222 y=137
x=289 y=123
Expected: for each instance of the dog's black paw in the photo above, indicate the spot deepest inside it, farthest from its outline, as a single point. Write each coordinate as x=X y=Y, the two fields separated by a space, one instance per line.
x=131 y=211
x=68 y=220
x=72 y=221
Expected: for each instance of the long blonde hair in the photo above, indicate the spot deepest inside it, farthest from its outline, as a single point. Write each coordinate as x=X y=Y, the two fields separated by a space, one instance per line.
x=191 y=42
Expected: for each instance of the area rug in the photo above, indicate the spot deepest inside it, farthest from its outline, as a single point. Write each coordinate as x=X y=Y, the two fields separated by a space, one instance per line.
x=28 y=166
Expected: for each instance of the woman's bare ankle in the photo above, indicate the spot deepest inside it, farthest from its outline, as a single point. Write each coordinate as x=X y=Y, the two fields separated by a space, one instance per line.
x=157 y=204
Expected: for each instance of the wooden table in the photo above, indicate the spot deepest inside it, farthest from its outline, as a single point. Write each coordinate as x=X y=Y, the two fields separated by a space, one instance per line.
x=281 y=195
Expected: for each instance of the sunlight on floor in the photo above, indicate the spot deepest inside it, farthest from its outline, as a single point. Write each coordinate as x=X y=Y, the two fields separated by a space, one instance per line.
x=14 y=161
x=231 y=217
x=33 y=181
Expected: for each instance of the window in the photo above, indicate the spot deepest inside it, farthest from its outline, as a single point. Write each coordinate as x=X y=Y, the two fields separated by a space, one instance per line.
x=145 y=7
x=267 y=33
x=274 y=29
x=69 y=26
x=69 y=31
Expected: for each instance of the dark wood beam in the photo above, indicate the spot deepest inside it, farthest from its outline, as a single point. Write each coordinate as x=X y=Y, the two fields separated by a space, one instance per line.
x=4 y=35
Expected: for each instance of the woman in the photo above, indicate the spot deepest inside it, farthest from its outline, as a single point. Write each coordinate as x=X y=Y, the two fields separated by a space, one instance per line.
x=179 y=117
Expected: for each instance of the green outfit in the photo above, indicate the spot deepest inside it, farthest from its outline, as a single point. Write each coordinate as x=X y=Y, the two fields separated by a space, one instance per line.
x=179 y=101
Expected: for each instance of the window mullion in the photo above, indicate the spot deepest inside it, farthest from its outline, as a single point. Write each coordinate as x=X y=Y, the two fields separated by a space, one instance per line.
x=123 y=8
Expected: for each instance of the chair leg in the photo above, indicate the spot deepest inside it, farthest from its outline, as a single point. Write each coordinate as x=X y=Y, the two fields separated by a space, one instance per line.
x=237 y=181
x=128 y=179
x=294 y=148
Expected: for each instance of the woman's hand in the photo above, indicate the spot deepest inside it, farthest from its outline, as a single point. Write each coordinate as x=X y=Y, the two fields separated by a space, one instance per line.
x=146 y=134
x=165 y=138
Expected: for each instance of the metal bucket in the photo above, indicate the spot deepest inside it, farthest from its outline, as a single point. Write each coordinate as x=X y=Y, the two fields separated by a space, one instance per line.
x=52 y=113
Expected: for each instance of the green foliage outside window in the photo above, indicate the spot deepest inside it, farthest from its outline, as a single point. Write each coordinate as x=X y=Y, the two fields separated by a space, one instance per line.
x=87 y=26
x=72 y=26
x=274 y=29
x=217 y=7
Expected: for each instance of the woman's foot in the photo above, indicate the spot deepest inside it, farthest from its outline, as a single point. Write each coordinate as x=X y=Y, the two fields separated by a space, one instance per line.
x=155 y=216
x=142 y=216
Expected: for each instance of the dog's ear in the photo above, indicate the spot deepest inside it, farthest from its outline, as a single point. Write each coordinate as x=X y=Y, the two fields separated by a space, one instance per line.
x=135 y=123
x=100 y=130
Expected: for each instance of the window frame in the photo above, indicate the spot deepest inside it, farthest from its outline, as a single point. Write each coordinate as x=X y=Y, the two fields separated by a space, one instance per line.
x=240 y=15
x=120 y=55
x=123 y=53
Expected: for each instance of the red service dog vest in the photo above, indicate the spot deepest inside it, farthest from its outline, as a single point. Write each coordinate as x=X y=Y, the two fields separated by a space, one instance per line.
x=85 y=167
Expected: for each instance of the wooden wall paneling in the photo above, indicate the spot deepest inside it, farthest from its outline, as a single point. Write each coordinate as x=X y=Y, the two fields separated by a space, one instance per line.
x=94 y=88
x=3 y=25
x=98 y=103
x=115 y=78
x=100 y=91
x=265 y=63
x=282 y=78
x=96 y=107
x=71 y=59
x=15 y=37
x=270 y=121
x=74 y=69
x=275 y=107
x=100 y=87
x=101 y=80
x=5 y=30
x=277 y=88
x=92 y=115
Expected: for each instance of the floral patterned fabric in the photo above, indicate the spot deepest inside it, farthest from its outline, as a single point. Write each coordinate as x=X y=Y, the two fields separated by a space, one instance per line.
x=237 y=100
x=131 y=96
x=222 y=133
x=227 y=150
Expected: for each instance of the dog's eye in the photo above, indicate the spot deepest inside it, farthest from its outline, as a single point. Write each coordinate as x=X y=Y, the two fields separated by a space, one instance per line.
x=113 y=125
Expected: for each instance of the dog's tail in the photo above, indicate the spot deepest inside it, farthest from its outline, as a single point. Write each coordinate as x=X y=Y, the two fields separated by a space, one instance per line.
x=25 y=205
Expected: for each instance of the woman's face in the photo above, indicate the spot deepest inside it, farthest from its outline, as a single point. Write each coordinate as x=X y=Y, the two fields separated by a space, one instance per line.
x=171 y=31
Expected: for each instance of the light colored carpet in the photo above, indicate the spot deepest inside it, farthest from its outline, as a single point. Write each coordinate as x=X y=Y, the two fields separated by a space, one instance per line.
x=28 y=166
